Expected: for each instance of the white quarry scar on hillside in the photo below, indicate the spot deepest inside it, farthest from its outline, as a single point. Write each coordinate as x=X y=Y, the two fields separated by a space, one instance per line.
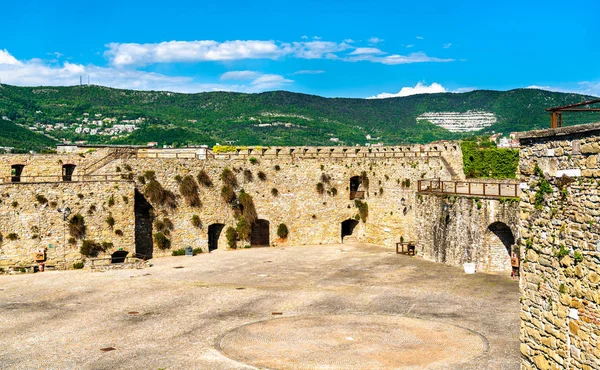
x=459 y=121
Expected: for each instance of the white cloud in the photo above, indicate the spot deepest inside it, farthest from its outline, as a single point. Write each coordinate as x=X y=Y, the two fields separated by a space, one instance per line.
x=419 y=88
x=239 y=75
x=348 y=41
x=398 y=59
x=446 y=46
x=304 y=37
x=258 y=81
x=208 y=50
x=585 y=88
x=317 y=38
x=269 y=81
x=375 y=40
x=7 y=59
x=308 y=72
x=362 y=51
x=410 y=46
x=420 y=38
x=36 y=72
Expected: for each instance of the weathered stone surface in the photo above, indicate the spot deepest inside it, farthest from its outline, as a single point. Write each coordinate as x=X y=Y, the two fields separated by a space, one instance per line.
x=568 y=219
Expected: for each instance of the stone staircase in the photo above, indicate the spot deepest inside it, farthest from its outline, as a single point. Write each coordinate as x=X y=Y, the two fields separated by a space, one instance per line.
x=453 y=173
x=123 y=153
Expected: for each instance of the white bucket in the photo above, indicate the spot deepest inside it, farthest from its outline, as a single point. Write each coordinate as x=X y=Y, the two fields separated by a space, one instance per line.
x=469 y=268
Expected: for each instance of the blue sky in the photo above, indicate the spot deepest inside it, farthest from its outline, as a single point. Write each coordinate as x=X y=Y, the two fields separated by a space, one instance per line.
x=335 y=48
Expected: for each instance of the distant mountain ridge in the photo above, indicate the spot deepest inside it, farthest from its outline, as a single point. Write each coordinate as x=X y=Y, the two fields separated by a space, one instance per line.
x=99 y=114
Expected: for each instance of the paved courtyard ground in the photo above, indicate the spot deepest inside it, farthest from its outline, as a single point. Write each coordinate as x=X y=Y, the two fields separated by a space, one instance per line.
x=335 y=307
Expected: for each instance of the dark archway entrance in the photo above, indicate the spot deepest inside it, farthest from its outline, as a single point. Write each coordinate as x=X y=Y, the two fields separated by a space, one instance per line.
x=118 y=256
x=348 y=227
x=15 y=172
x=143 y=226
x=67 y=172
x=501 y=240
x=214 y=231
x=260 y=233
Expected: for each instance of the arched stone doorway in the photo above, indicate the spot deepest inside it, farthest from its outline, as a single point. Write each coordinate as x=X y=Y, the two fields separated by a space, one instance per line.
x=214 y=232
x=500 y=241
x=15 y=172
x=348 y=227
x=260 y=233
x=67 y=172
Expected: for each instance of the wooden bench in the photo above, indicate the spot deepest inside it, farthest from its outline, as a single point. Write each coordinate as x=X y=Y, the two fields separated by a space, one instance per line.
x=407 y=248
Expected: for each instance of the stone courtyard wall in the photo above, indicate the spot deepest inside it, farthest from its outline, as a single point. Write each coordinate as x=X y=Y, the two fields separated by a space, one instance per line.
x=560 y=299
x=455 y=229
x=311 y=218
x=39 y=226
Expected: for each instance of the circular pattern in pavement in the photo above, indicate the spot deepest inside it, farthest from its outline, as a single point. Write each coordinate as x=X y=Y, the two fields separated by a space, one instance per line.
x=352 y=342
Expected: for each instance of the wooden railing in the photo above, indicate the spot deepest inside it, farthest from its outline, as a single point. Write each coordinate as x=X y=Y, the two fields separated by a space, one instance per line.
x=325 y=154
x=494 y=189
x=61 y=178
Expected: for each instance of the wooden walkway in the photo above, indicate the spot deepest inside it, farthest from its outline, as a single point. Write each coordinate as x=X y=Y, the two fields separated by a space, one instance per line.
x=493 y=189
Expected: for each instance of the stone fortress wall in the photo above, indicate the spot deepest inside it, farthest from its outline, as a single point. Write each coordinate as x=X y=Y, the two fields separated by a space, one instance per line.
x=560 y=248
x=311 y=218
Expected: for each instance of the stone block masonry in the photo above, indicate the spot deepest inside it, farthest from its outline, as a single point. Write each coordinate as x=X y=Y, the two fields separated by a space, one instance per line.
x=30 y=221
x=287 y=193
x=560 y=247
x=456 y=229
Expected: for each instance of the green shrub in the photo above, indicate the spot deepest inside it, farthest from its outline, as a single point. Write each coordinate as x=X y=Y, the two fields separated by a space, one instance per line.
x=363 y=209
x=204 y=179
x=196 y=222
x=228 y=195
x=325 y=178
x=14 y=204
x=178 y=252
x=12 y=236
x=90 y=248
x=196 y=251
x=274 y=192
x=178 y=179
x=111 y=201
x=41 y=199
x=561 y=252
x=543 y=189
x=261 y=176
x=189 y=189
x=125 y=199
x=141 y=180
x=229 y=178
x=164 y=226
x=231 y=236
x=364 y=180
x=78 y=265
x=243 y=228
x=110 y=221
x=282 y=231
x=77 y=226
x=248 y=177
x=80 y=196
x=333 y=191
x=277 y=167
x=119 y=232
x=128 y=168
x=118 y=169
x=150 y=175
x=161 y=241
x=247 y=207
x=160 y=196
x=578 y=257
x=253 y=160
x=320 y=188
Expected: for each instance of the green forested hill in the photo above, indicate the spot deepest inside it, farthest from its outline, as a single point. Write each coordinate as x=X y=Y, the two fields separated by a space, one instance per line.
x=271 y=118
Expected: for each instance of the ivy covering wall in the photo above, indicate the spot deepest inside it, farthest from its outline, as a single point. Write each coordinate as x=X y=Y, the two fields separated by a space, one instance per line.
x=489 y=162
